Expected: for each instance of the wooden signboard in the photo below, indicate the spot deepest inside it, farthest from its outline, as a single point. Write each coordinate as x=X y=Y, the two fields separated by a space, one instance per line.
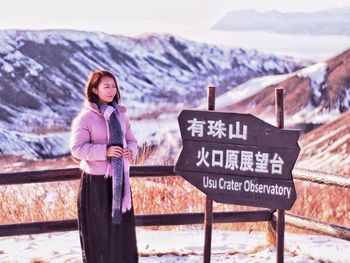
x=238 y=158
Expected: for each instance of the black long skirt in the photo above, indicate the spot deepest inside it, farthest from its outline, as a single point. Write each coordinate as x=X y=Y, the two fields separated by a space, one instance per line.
x=101 y=241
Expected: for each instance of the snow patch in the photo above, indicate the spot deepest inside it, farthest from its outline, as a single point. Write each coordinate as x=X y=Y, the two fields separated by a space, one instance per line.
x=317 y=74
x=246 y=90
x=345 y=102
x=33 y=145
x=153 y=131
x=5 y=48
x=310 y=114
x=7 y=67
x=181 y=246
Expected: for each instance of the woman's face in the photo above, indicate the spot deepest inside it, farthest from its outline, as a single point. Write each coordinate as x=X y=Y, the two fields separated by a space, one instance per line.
x=106 y=90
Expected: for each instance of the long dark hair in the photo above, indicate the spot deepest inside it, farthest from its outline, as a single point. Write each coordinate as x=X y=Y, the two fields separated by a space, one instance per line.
x=94 y=80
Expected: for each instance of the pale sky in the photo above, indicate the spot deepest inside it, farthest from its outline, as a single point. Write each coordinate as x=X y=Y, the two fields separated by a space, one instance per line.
x=134 y=17
x=190 y=19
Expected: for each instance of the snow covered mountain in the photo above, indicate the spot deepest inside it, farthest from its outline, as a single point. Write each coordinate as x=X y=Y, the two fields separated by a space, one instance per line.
x=42 y=75
x=316 y=94
x=324 y=22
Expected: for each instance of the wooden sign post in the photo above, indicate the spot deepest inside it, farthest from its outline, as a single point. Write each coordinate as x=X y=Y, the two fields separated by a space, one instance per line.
x=238 y=159
x=280 y=213
x=208 y=214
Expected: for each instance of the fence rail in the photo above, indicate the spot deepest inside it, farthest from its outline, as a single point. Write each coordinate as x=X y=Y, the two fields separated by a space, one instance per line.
x=75 y=173
x=155 y=170
x=140 y=220
x=318 y=226
x=172 y=219
x=321 y=177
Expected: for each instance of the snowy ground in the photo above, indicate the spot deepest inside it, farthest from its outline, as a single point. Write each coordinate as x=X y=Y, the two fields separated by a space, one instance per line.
x=180 y=246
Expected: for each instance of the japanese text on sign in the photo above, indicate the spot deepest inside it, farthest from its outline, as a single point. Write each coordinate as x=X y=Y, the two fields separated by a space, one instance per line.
x=217 y=129
x=240 y=160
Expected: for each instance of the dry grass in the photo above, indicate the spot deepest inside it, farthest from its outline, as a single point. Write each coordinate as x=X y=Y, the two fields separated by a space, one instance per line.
x=38 y=202
x=57 y=200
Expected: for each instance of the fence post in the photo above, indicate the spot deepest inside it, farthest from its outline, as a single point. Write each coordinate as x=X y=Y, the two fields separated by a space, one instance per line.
x=208 y=216
x=280 y=213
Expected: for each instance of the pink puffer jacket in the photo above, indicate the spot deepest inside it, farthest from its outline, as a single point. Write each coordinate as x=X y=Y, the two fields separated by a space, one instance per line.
x=90 y=137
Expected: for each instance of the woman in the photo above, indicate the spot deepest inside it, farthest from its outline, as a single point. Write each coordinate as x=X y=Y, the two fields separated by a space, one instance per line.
x=103 y=142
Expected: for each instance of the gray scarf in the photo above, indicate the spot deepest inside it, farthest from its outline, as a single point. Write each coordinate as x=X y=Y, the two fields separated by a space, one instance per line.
x=115 y=139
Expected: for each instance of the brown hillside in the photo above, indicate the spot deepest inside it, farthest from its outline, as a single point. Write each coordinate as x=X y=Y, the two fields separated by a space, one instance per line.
x=296 y=96
x=338 y=79
x=327 y=148
x=298 y=91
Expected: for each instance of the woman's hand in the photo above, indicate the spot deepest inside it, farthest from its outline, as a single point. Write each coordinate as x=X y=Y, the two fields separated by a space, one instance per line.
x=114 y=151
x=127 y=154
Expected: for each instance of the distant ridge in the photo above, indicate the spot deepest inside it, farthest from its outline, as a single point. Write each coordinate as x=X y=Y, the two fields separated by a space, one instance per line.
x=324 y=22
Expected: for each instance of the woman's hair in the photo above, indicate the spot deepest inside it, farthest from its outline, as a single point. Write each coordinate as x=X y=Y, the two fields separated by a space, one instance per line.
x=94 y=80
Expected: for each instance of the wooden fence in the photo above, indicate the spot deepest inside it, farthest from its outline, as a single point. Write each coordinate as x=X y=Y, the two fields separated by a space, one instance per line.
x=173 y=219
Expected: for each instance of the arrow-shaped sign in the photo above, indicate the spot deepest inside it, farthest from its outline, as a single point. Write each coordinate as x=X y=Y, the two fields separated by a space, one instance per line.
x=224 y=150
